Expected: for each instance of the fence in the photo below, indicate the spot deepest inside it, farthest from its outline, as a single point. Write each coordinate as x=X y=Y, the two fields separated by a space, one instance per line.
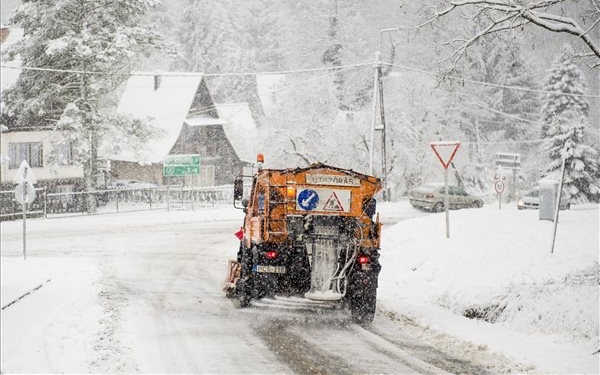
x=50 y=205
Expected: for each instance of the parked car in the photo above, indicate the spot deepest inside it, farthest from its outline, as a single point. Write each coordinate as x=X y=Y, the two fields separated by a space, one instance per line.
x=531 y=200
x=431 y=197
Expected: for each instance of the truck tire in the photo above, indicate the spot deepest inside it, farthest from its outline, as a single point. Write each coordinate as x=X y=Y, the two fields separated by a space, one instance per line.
x=244 y=296
x=245 y=283
x=362 y=294
x=363 y=304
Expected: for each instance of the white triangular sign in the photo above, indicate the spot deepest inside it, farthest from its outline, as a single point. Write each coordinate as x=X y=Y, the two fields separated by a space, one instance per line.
x=24 y=174
x=445 y=151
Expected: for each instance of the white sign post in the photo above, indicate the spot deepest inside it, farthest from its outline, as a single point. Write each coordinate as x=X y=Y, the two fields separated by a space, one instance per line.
x=512 y=162
x=499 y=186
x=445 y=151
x=24 y=194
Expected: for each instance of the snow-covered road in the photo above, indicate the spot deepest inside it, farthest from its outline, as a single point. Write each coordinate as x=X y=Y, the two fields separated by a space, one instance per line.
x=142 y=293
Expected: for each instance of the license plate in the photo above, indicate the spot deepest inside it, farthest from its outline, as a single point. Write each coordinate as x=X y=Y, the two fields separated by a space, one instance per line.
x=270 y=269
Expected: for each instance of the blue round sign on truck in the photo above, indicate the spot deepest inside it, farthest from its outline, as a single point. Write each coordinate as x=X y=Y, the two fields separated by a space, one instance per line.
x=308 y=199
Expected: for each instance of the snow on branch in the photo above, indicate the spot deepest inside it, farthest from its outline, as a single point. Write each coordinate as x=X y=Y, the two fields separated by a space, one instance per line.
x=503 y=15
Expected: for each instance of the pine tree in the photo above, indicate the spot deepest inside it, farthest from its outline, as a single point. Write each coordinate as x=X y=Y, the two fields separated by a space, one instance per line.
x=101 y=36
x=565 y=140
x=563 y=77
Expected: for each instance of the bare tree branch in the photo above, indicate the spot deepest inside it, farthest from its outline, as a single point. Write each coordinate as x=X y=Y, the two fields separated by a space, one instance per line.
x=299 y=154
x=504 y=15
x=566 y=28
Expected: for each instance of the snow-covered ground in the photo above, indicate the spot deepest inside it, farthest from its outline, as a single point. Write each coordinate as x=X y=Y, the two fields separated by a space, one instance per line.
x=495 y=265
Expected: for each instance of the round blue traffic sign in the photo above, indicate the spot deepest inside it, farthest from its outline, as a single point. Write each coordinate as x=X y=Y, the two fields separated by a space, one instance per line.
x=308 y=199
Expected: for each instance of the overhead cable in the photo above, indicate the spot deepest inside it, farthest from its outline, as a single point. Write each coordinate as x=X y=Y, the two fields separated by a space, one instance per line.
x=293 y=71
x=187 y=74
x=518 y=88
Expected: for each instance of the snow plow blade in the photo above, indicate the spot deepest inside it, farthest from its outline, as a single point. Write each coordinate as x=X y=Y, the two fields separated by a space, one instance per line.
x=234 y=269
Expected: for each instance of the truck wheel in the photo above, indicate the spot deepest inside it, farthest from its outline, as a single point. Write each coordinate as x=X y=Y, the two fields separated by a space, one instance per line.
x=362 y=296
x=439 y=207
x=362 y=305
x=244 y=294
x=245 y=283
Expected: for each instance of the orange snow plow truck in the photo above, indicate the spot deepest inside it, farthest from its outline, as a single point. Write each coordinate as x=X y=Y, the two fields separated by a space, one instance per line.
x=308 y=232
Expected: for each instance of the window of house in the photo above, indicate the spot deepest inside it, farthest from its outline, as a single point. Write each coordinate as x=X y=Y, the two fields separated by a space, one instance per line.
x=30 y=151
x=65 y=154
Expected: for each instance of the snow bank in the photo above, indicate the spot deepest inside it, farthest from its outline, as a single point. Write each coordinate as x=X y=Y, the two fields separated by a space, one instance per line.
x=497 y=266
x=55 y=285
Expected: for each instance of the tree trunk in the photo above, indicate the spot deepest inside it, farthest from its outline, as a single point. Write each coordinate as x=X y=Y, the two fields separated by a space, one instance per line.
x=90 y=173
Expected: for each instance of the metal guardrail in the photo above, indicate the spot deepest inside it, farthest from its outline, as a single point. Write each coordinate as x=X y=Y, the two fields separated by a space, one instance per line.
x=50 y=205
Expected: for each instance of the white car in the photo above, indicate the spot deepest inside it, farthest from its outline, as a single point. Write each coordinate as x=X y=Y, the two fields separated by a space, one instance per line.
x=531 y=200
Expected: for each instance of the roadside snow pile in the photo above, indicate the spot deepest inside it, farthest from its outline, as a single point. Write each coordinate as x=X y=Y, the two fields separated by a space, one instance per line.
x=496 y=267
x=562 y=307
x=553 y=307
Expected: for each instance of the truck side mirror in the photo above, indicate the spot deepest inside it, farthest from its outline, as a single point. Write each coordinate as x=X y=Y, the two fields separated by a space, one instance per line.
x=370 y=207
x=238 y=189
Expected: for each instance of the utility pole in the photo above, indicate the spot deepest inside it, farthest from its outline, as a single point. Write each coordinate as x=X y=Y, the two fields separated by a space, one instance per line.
x=383 y=141
x=378 y=90
x=376 y=67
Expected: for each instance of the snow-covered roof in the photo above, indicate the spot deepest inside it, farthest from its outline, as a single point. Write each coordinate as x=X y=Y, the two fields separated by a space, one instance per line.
x=240 y=129
x=266 y=87
x=167 y=107
x=9 y=76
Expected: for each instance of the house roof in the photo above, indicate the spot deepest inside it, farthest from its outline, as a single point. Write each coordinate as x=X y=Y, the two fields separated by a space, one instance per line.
x=167 y=107
x=240 y=129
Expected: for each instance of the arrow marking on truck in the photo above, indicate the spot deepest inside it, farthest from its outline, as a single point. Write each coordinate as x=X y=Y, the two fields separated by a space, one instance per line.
x=308 y=199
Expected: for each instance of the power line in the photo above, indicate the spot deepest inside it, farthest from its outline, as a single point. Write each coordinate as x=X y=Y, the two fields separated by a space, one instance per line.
x=504 y=142
x=293 y=71
x=187 y=74
x=518 y=88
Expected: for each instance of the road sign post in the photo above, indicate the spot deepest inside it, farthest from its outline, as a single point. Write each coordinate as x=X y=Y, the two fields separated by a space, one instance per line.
x=24 y=194
x=183 y=165
x=513 y=162
x=499 y=187
x=445 y=152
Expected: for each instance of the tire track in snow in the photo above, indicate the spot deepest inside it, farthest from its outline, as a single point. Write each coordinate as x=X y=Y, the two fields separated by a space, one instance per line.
x=113 y=355
x=300 y=355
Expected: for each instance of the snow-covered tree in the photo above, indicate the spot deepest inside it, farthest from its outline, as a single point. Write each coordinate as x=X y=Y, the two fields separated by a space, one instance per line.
x=563 y=77
x=565 y=140
x=84 y=50
x=225 y=37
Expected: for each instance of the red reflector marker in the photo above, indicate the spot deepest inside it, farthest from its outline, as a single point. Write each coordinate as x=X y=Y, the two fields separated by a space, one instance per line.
x=363 y=259
x=240 y=233
x=271 y=254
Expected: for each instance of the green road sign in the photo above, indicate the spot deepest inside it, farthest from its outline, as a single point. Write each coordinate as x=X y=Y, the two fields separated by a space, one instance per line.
x=181 y=165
